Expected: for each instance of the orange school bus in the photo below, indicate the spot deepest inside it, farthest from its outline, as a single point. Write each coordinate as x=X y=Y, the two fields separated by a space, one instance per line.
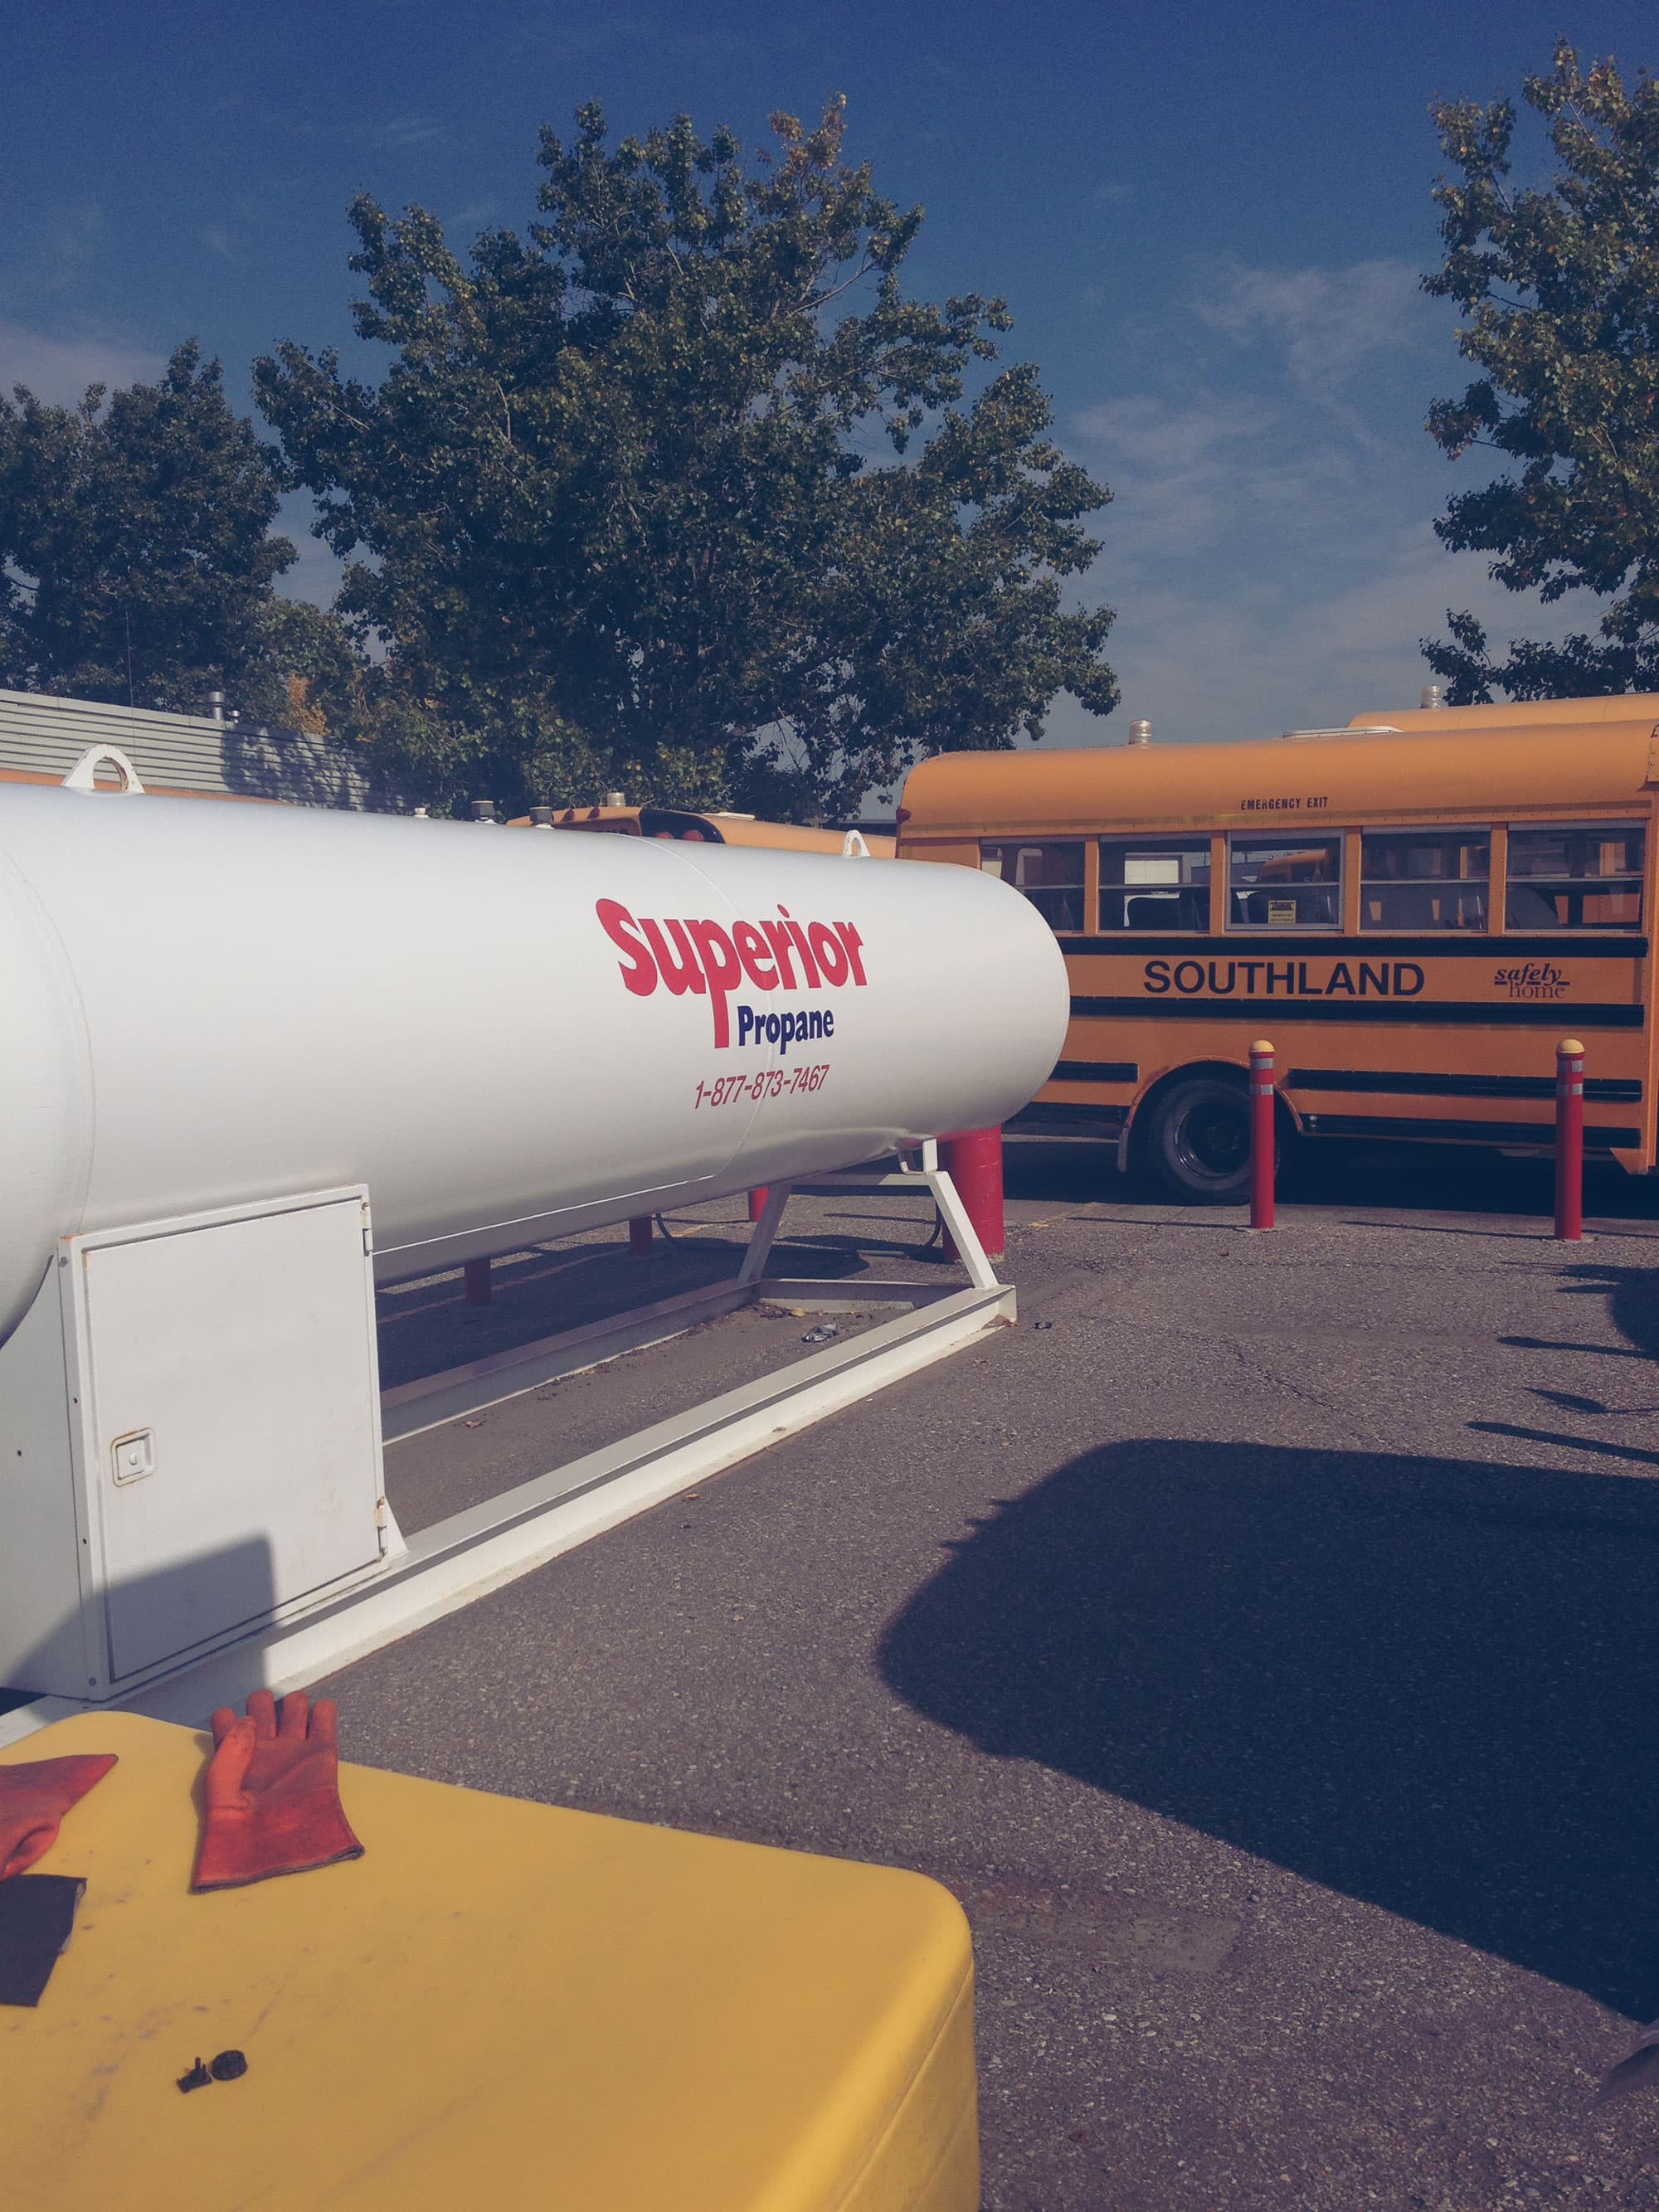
x=1412 y=910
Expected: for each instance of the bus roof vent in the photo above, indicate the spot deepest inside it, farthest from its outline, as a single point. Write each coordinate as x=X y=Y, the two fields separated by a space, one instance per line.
x=1365 y=730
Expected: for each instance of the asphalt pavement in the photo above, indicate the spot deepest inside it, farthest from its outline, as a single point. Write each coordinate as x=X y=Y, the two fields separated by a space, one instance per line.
x=1259 y=1638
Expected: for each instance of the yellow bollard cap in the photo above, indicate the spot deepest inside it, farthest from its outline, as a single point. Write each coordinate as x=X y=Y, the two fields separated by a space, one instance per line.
x=1263 y=1044
x=1570 y=1044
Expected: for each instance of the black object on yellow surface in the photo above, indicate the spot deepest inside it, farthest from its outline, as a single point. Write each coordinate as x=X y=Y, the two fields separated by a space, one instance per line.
x=36 y=1917
x=228 y=2066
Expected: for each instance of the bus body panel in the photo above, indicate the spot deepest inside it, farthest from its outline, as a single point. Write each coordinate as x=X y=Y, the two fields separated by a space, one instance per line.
x=1419 y=774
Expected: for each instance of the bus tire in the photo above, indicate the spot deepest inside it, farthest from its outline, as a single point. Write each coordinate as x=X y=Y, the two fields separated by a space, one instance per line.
x=1197 y=1143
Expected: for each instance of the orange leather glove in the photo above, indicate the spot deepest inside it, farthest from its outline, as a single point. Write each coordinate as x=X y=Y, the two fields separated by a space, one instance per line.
x=34 y=1797
x=273 y=1794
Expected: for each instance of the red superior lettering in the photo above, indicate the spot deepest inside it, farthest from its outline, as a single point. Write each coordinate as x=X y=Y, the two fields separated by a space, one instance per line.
x=703 y=957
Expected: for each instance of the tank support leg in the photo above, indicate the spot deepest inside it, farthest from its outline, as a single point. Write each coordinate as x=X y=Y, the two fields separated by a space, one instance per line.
x=959 y=1223
x=968 y=1250
x=765 y=1229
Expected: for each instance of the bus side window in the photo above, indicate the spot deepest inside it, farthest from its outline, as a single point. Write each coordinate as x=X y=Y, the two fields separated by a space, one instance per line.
x=1050 y=876
x=1423 y=879
x=1581 y=875
x=1155 y=883
x=1273 y=885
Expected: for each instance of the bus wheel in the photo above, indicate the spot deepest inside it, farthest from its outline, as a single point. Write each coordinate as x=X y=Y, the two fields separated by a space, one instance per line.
x=1199 y=1143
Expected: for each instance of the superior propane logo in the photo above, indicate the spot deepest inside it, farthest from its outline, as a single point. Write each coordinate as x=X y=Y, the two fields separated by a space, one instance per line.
x=701 y=958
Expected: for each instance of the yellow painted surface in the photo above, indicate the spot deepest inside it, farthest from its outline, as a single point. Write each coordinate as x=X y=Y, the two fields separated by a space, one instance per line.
x=501 y=2005
x=1441 y=767
x=1520 y=714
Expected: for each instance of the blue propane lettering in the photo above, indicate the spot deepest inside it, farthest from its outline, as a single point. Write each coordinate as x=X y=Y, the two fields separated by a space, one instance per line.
x=782 y=1031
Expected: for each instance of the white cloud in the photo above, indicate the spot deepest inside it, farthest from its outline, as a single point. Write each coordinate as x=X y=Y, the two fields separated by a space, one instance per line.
x=1153 y=436
x=402 y=131
x=1326 y=322
x=59 y=366
x=1207 y=666
x=394 y=135
x=1270 y=547
x=1183 y=476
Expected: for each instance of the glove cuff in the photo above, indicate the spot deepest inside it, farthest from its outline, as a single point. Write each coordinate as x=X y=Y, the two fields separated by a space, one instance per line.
x=238 y=1848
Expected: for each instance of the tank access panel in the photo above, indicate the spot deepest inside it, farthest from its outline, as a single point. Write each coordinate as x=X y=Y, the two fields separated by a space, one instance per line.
x=190 y=1436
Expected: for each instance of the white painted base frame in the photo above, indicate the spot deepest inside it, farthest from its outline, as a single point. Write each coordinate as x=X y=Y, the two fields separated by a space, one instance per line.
x=462 y=1559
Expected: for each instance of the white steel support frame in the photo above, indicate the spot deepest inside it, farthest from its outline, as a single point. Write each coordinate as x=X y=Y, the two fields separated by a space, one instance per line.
x=443 y=1568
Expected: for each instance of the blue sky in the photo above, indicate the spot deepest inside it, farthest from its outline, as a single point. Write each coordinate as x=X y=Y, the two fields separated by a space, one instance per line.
x=1207 y=221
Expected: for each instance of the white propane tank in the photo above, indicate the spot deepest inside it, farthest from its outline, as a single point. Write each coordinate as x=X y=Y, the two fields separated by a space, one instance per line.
x=505 y=1038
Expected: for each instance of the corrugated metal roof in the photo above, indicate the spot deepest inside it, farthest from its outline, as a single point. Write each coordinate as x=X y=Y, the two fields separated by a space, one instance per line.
x=43 y=735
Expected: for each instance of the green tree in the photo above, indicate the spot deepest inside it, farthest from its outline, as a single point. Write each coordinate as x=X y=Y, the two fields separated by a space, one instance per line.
x=305 y=670
x=649 y=497
x=136 y=552
x=1559 y=290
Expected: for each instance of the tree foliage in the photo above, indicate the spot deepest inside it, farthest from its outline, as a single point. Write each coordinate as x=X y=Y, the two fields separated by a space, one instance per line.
x=135 y=553
x=680 y=490
x=1559 y=290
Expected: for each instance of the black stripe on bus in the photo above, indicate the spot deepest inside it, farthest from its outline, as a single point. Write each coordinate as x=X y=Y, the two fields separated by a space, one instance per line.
x=1500 y=1013
x=1046 y=1118
x=1541 y=1134
x=1610 y=1091
x=1455 y=945
x=1097 y=1071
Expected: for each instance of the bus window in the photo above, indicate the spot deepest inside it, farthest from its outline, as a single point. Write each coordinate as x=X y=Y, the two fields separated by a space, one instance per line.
x=1155 y=883
x=1277 y=886
x=1583 y=875
x=1051 y=877
x=1423 y=879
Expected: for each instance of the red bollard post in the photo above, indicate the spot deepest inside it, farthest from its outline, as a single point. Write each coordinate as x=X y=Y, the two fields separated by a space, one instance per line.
x=757 y=1203
x=475 y=1282
x=1262 y=1134
x=973 y=1160
x=639 y=1236
x=1569 y=1140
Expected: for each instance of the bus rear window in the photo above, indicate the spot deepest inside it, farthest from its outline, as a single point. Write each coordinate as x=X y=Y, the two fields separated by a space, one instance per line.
x=1051 y=877
x=1575 y=876
x=1285 y=886
x=1423 y=879
x=1155 y=883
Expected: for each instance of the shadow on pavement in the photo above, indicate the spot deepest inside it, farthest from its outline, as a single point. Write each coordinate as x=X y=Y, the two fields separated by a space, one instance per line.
x=1563 y=1439
x=1633 y=1296
x=426 y=1327
x=1409 y=1178
x=1430 y=1684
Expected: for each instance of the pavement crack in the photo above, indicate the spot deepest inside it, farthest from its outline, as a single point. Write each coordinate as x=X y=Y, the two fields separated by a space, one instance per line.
x=1263 y=1373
